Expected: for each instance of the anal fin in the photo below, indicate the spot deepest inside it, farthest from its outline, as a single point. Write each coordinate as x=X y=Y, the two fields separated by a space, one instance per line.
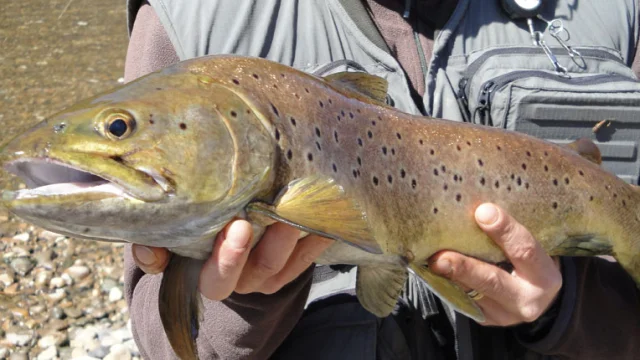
x=449 y=292
x=378 y=287
x=319 y=205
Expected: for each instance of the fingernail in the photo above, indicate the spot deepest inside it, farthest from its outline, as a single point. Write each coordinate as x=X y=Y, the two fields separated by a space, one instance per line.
x=487 y=214
x=145 y=255
x=442 y=266
x=237 y=237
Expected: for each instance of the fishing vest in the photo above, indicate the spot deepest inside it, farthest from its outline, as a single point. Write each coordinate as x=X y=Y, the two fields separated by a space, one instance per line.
x=488 y=67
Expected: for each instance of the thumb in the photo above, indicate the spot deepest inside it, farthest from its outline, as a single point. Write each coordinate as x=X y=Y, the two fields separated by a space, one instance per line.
x=152 y=260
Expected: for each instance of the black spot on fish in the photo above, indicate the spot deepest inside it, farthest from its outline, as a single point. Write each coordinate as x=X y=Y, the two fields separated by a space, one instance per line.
x=455 y=177
x=390 y=179
x=318 y=146
x=233 y=114
x=554 y=205
x=458 y=197
x=338 y=117
x=369 y=134
x=335 y=135
x=351 y=115
x=513 y=176
x=498 y=147
x=373 y=122
x=591 y=198
x=317 y=132
x=524 y=166
x=282 y=75
x=443 y=168
x=321 y=104
x=297 y=96
x=355 y=173
x=414 y=183
x=335 y=168
x=151 y=121
x=393 y=151
x=483 y=181
x=480 y=162
x=275 y=86
x=497 y=184
x=581 y=172
x=306 y=90
x=624 y=203
x=555 y=182
x=468 y=143
x=615 y=196
x=435 y=210
x=399 y=136
x=289 y=154
x=546 y=168
x=529 y=153
x=519 y=181
x=277 y=135
x=384 y=150
x=360 y=141
x=359 y=161
x=275 y=110
x=445 y=187
x=432 y=152
x=566 y=181
x=458 y=147
x=158 y=88
x=183 y=126
x=526 y=186
x=255 y=76
x=509 y=188
x=546 y=153
x=421 y=142
x=86 y=230
x=342 y=113
x=403 y=173
x=435 y=172
x=375 y=181
x=310 y=156
x=330 y=101
x=293 y=121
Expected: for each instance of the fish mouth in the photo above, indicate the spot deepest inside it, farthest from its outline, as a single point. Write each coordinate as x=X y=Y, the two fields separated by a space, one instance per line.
x=52 y=178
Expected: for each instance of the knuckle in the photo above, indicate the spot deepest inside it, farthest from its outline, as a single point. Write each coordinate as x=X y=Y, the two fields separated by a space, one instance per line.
x=265 y=269
x=526 y=252
x=491 y=283
x=530 y=313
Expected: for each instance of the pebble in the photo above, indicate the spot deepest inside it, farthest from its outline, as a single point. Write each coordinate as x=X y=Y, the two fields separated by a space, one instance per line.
x=6 y=279
x=49 y=354
x=44 y=259
x=73 y=313
x=22 y=265
x=4 y=352
x=118 y=352
x=55 y=339
x=115 y=294
x=19 y=355
x=108 y=284
x=99 y=352
x=57 y=282
x=58 y=294
x=43 y=278
x=78 y=353
x=24 y=237
x=19 y=337
x=58 y=313
x=78 y=272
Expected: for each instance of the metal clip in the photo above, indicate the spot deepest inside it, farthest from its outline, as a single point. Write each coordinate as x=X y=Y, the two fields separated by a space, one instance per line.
x=561 y=34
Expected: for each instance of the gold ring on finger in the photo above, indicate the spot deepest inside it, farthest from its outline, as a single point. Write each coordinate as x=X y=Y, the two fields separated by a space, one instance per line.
x=475 y=295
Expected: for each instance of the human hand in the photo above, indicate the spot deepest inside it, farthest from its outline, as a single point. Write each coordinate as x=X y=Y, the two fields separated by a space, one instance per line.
x=276 y=260
x=508 y=298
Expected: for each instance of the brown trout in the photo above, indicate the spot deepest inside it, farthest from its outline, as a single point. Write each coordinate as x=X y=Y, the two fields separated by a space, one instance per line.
x=169 y=159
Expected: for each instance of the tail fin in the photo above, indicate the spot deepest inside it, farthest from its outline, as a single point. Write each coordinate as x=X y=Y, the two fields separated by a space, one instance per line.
x=179 y=305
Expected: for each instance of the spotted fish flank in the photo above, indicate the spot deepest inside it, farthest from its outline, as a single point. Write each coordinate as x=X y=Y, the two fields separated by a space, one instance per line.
x=169 y=159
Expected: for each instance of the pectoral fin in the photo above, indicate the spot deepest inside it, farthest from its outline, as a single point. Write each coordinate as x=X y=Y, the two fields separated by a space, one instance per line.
x=319 y=205
x=378 y=288
x=449 y=292
x=371 y=86
x=180 y=303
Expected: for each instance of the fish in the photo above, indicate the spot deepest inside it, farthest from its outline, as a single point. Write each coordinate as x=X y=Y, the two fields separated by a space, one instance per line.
x=169 y=159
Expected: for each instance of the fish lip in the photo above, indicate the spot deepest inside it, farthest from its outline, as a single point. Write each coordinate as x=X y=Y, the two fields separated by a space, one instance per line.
x=128 y=190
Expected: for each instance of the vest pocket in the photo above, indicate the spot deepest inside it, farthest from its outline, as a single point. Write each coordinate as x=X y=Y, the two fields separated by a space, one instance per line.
x=601 y=102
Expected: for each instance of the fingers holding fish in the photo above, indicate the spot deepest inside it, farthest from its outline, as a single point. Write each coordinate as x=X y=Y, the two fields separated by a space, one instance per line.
x=221 y=272
x=268 y=258
x=307 y=250
x=152 y=260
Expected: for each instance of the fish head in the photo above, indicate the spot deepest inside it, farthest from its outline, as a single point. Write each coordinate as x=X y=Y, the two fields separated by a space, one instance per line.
x=161 y=161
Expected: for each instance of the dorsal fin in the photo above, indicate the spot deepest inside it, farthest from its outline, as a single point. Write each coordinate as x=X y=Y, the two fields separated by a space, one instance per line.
x=587 y=149
x=371 y=86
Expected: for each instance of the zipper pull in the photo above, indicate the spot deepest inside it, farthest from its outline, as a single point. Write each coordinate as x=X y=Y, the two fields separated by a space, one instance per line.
x=484 y=102
x=463 y=102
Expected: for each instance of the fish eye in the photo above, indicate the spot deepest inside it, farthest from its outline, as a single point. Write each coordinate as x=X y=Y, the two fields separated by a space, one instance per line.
x=118 y=125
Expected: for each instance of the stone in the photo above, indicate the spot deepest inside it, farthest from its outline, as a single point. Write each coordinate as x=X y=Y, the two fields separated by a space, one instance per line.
x=118 y=352
x=44 y=258
x=22 y=265
x=58 y=313
x=49 y=354
x=4 y=352
x=24 y=237
x=42 y=278
x=78 y=353
x=19 y=337
x=19 y=355
x=57 y=295
x=108 y=284
x=73 y=313
x=115 y=294
x=78 y=272
x=99 y=352
x=133 y=347
x=57 y=282
x=6 y=279
x=53 y=339
x=37 y=309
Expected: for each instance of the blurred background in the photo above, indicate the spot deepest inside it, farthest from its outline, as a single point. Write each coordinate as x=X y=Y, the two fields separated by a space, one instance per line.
x=60 y=298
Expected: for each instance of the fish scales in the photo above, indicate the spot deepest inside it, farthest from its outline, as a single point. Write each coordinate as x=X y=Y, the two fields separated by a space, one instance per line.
x=169 y=159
